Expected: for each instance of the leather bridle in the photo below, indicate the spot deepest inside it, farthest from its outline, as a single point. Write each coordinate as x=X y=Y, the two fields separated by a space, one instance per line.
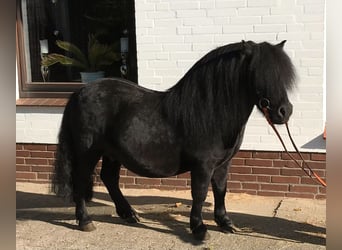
x=264 y=105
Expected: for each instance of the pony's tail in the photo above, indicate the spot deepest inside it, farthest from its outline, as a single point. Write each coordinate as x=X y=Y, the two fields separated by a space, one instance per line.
x=62 y=177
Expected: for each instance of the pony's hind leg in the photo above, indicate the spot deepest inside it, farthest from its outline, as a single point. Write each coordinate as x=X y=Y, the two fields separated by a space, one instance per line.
x=83 y=189
x=110 y=174
x=219 y=186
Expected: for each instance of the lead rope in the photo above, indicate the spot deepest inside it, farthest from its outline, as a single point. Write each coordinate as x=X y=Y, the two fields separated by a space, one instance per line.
x=309 y=172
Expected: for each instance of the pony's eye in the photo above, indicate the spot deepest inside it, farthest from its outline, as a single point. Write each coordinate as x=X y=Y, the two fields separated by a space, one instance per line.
x=264 y=103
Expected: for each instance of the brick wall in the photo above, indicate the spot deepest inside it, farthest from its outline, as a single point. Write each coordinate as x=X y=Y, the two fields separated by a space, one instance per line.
x=252 y=172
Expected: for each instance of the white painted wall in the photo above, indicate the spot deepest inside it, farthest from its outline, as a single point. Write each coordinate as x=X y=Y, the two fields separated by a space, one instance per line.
x=38 y=124
x=173 y=34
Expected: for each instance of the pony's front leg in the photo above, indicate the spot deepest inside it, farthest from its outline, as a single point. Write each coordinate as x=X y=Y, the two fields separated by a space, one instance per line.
x=219 y=185
x=200 y=179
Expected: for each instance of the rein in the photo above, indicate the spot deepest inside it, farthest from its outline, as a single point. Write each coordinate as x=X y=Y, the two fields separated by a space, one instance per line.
x=265 y=106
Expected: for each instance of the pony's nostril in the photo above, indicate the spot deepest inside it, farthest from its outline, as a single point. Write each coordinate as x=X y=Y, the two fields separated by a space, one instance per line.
x=282 y=111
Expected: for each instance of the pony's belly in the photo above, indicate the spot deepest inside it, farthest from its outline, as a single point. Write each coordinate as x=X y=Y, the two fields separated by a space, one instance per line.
x=149 y=149
x=151 y=164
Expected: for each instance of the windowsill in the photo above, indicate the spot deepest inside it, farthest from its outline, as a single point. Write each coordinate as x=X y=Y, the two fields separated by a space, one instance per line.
x=42 y=102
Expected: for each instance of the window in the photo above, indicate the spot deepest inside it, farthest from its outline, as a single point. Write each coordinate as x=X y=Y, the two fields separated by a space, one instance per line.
x=47 y=28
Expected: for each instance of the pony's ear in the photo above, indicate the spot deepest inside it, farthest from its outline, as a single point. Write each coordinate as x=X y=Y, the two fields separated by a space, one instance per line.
x=246 y=48
x=281 y=44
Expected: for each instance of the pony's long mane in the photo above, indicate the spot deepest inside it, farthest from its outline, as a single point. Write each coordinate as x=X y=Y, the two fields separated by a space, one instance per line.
x=201 y=101
x=219 y=91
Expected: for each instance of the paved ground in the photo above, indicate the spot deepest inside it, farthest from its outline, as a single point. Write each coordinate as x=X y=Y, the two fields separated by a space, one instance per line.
x=47 y=222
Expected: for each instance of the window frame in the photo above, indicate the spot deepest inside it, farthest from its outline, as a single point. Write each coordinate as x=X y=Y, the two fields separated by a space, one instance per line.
x=29 y=89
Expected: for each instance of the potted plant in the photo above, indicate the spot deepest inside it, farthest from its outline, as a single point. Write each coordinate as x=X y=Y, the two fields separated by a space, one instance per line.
x=90 y=64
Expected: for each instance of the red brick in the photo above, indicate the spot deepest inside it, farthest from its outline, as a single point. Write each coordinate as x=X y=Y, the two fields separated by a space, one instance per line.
x=139 y=186
x=44 y=176
x=234 y=185
x=240 y=170
x=19 y=146
x=274 y=187
x=243 y=154
x=320 y=173
x=130 y=173
x=242 y=177
x=316 y=164
x=173 y=182
x=22 y=153
x=123 y=171
x=42 y=154
x=254 y=186
x=238 y=161
x=148 y=181
x=271 y=193
x=307 y=180
x=322 y=190
x=51 y=162
x=184 y=176
x=38 y=147
x=292 y=172
x=285 y=179
x=303 y=189
x=266 y=155
x=52 y=147
x=23 y=168
x=26 y=175
x=318 y=157
x=320 y=196
x=267 y=171
x=284 y=156
x=300 y=195
x=42 y=169
x=263 y=178
x=36 y=161
x=285 y=164
x=20 y=160
x=259 y=162
x=126 y=180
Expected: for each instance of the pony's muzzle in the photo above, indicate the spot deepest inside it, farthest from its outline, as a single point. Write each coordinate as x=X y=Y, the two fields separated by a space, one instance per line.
x=284 y=112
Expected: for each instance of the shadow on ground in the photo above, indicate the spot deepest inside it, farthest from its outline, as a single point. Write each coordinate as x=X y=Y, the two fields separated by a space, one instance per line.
x=54 y=210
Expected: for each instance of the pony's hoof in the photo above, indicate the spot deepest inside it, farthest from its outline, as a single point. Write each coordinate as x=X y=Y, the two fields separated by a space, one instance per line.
x=200 y=233
x=132 y=218
x=229 y=227
x=87 y=227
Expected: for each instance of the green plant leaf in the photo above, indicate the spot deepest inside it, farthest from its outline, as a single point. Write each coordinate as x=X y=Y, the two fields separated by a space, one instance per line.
x=54 y=58
x=98 y=55
x=79 y=55
x=101 y=55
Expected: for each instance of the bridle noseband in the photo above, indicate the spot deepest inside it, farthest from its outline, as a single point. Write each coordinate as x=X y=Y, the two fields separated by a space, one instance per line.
x=265 y=106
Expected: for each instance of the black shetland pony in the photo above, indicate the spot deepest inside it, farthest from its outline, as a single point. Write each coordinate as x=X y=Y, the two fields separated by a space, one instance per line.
x=197 y=126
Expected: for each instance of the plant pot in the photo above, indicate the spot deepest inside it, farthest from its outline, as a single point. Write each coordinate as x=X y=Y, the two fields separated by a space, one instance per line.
x=91 y=76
